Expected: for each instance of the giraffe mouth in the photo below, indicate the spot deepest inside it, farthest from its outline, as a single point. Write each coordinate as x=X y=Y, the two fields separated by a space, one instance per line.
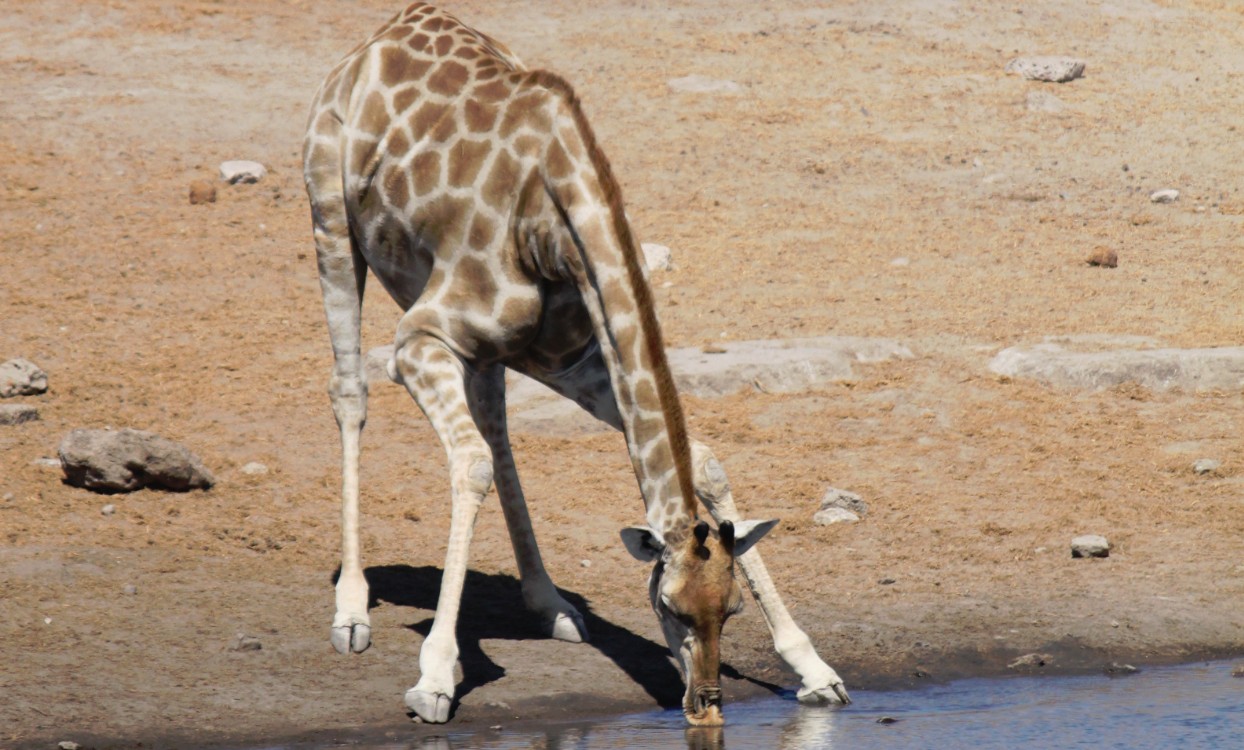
x=705 y=708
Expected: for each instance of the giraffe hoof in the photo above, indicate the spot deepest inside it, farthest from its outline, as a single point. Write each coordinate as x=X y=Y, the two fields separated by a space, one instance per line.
x=432 y=708
x=831 y=695
x=568 y=626
x=351 y=638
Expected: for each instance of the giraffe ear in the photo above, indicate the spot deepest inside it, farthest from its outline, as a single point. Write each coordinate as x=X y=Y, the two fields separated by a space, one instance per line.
x=747 y=533
x=643 y=543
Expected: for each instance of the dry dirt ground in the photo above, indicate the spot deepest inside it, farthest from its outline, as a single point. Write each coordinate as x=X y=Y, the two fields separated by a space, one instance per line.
x=863 y=133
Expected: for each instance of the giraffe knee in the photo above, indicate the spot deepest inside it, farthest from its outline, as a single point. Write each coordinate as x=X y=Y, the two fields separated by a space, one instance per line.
x=710 y=476
x=479 y=475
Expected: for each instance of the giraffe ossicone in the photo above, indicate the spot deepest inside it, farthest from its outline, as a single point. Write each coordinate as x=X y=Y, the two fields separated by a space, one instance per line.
x=475 y=192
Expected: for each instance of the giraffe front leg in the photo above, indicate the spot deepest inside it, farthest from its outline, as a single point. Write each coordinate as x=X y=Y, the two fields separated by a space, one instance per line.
x=821 y=684
x=437 y=379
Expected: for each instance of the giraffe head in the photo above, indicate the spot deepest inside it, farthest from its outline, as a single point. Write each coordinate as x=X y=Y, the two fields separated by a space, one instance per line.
x=694 y=592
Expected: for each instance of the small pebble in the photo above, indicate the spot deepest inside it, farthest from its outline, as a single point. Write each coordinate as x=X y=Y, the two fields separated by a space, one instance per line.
x=130 y=589
x=1029 y=661
x=1164 y=196
x=887 y=581
x=901 y=262
x=830 y=516
x=108 y=509
x=1206 y=466
x=8 y=497
x=68 y=745
x=586 y=563
x=1238 y=671
x=242 y=172
x=1115 y=668
x=1104 y=257
x=1090 y=545
x=247 y=643
x=202 y=191
x=887 y=720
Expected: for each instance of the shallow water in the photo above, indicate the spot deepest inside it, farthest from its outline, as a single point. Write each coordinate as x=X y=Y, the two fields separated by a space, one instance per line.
x=1187 y=707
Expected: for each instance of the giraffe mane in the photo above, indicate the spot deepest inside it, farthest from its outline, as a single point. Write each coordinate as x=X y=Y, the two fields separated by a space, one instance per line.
x=667 y=392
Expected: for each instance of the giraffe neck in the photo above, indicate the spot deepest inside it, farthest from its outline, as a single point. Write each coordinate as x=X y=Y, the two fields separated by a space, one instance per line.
x=604 y=258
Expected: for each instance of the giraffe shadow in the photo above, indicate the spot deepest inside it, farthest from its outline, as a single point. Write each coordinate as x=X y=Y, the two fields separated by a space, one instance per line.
x=490 y=602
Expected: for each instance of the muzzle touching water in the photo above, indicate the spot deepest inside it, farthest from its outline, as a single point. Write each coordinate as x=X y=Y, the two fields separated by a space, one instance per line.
x=705 y=708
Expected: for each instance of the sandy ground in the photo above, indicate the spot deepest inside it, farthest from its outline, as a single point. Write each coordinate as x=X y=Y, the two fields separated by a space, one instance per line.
x=863 y=133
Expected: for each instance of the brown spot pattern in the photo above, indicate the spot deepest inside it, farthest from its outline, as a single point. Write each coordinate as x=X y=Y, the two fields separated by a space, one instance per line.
x=465 y=160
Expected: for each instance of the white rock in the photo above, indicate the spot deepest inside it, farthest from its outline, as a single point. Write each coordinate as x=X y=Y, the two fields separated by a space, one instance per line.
x=1090 y=545
x=68 y=745
x=130 y=589
x=21 y=377
x=1051 y=69
x=108 y=509
x=836 y=498
x=245 y=172
x=47 y=463
x=15 y=414
x=698 y=84
x=1206 y=466
x=901 y=262
x=254 y=468
x=831 y=516
x=1169 y=195
x=658 y=257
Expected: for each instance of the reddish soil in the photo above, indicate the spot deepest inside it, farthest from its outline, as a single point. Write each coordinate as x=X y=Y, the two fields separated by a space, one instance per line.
x=863 y=133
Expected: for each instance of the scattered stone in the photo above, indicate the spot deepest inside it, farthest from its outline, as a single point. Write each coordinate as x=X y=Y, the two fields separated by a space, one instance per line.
x=8 y=497
x=108 y=509
x=887 y=720
x=247 y=643
x=901 y=262
x=1104 y=257
x=47 y=463
x=15 y=414
x=130 y=589
x=1206 y=466
x=887 y=581
x=1049 y=69
x=1030 y=661
x=127 y=460
x=68 y=745
x=831 y=516
x=657 y=257
x=1090 y=545
x=1169 y=195
x=698 y=84
x=1114 y=668
x=1043 y=101
x=254 y=468
x=202 y=191
x=1219 y=368
x=836 y=498
x=585 y=563
x=242 y=172
x=21 y=377
x=1238 y=671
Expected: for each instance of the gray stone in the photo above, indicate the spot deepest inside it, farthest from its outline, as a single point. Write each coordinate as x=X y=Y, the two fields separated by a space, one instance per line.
x=1050 y=69
x=247 y=643
x=108 y=509
x=1030 y=661
x=1169 y=195
x=1206 y=466
x=836 y=498
x=831 y=516
x=68 y=745
x=657 y=257
x=1115 y=668
x=1219 y=368
x=1090 y=545
x=698 y=84
x=127 y=460
x=242 y=172
x=781 y=366
x=21 y=377
x=130 y=589
x=15 y=414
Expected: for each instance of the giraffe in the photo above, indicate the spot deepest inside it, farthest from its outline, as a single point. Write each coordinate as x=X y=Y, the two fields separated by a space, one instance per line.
x=475 y=192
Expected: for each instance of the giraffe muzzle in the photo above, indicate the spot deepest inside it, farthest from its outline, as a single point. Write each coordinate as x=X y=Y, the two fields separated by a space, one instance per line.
x=706 y=707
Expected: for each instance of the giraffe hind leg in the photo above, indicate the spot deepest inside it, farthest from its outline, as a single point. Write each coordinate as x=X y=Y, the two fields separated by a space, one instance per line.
x=558 y=617
x=342 y=276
